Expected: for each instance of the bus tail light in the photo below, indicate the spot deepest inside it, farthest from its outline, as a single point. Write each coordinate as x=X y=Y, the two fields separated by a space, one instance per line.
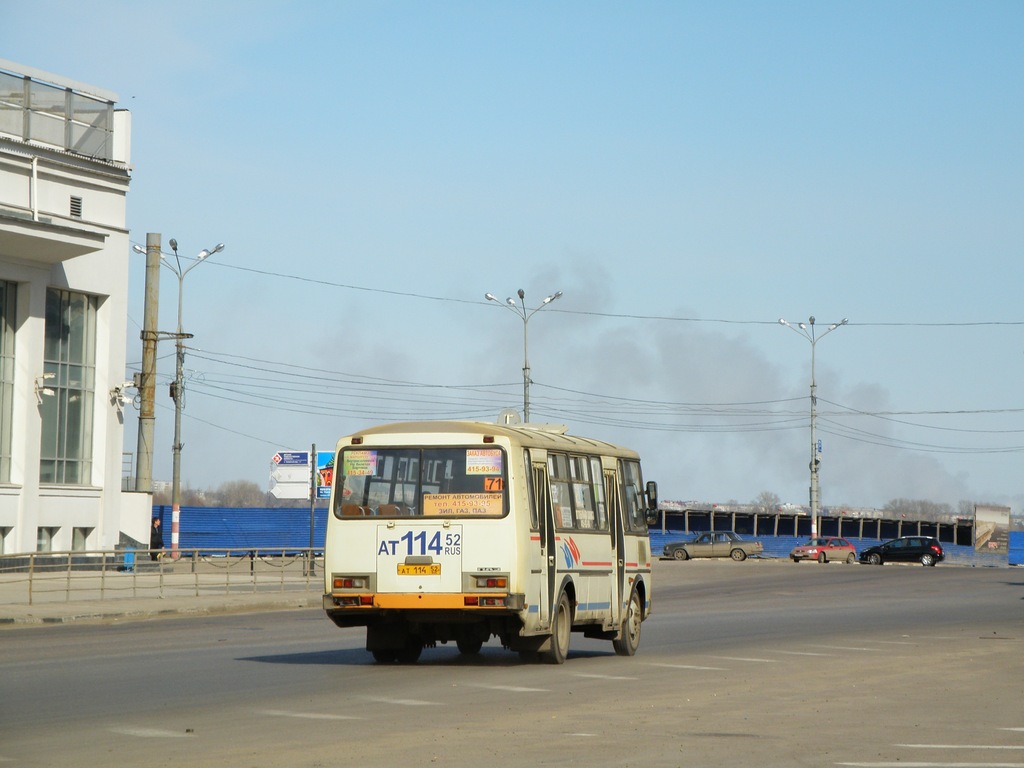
x=484 y=601
x=350 y=582
x=354 y=601
x=491 y=582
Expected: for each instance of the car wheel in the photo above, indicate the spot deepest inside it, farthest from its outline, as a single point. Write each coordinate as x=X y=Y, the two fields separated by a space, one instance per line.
x=680 y=554
x=851 y=558
x=629 y=636
x=384 y=655
x=561 y=627
x=927 y=559
x=738 y=555
x=875 y=559
x=794 y=558
x=822 y=558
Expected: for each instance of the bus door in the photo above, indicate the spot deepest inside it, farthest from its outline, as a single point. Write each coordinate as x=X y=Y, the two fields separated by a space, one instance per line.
x=542 y=554
x=620 y=589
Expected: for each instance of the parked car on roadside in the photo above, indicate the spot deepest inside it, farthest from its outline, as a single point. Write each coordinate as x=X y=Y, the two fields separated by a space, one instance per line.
x=906 y=549
x=825 y=549
x=714 y=544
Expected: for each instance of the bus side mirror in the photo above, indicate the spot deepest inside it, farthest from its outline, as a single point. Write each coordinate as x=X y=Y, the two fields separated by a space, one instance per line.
x=652 y=494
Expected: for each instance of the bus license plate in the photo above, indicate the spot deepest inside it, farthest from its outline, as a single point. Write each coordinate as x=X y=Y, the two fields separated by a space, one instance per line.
x=433 y=569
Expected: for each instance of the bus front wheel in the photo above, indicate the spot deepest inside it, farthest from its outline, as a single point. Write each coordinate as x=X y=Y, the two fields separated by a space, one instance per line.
x=629 y=636
x=561 y=628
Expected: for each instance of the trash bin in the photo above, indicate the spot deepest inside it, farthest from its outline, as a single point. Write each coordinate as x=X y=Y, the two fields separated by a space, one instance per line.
x=129 y=560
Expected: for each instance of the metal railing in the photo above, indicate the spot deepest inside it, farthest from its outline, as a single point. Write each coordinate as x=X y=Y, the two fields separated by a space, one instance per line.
x=109 y=575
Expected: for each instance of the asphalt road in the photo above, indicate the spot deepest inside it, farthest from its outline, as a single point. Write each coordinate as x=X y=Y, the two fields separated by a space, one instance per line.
x=761 y=663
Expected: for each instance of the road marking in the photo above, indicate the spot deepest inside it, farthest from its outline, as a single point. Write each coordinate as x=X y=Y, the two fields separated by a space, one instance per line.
x=689 y=666
x=895 y=642
x=406 y=702
x=150 y=733
x=308 y=715
x=805 y=653
x=845 y=648
x=904 y=764
x=959 y=746
x=603 y=677
x=508 y=688
x=740 y=658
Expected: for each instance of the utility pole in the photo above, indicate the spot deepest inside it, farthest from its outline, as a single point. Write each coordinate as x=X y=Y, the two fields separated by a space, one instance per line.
x=147 y=383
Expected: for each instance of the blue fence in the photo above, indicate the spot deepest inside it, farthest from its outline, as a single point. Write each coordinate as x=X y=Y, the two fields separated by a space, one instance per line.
x=210 y=528
x=271 y=528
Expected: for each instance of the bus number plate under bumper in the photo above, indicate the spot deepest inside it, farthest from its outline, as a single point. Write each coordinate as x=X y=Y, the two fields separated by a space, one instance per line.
x=431 y=569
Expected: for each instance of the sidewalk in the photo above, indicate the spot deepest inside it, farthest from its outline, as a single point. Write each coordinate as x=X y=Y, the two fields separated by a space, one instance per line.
x=175 y=589
x=140 y=608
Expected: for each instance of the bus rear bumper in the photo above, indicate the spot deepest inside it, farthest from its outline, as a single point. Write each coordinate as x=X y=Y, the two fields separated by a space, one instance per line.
x=370 y=605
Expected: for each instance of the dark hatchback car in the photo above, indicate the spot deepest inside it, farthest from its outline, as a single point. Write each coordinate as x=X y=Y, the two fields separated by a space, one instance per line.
x=906 y=549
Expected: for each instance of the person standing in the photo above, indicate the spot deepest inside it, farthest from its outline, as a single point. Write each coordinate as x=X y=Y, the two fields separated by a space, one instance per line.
x=156 y=539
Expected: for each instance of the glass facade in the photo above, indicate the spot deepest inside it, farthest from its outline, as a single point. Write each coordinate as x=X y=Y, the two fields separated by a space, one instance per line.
x=69 y=365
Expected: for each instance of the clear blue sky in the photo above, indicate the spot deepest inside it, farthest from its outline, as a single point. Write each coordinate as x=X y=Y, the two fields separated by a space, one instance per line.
x=686 y=173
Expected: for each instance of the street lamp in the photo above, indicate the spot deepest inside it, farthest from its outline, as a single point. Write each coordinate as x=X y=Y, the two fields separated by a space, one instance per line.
x=525 y=315
x=178 y=387
x=807 y=331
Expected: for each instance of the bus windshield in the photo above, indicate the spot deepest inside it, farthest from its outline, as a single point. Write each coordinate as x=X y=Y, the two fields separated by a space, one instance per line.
x=421 y=482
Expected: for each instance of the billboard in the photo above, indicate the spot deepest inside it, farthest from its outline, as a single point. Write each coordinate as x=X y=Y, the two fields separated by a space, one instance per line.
x=992 y=529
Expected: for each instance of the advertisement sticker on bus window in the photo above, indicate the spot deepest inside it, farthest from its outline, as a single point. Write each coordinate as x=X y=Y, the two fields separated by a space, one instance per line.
x=462 y=504
x=360 y=463
x=483 y=461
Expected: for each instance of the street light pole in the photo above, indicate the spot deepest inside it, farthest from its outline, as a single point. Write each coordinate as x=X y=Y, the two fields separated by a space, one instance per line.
x=807 y=331
x=178 y=391
x=523 y=314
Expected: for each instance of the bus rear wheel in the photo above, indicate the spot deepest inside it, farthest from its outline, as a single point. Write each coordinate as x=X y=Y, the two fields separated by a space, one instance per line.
x=409 y=653
x=629 y=637
x=469 y=646
x=561 y=628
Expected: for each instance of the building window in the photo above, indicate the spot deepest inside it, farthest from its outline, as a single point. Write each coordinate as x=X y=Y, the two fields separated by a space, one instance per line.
x=44 y=538
x=7 y=324
x=80 y=539
x=67 y=415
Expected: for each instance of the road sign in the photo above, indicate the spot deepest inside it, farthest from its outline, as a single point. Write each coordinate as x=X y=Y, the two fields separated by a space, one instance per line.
x=290 y=475
x=291 y=458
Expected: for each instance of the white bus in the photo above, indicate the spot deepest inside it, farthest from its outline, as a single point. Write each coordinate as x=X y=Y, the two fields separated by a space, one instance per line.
x=460 y=531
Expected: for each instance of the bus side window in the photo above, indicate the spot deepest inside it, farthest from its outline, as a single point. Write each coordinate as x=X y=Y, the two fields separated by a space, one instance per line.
x=600 y=503
x=632 y=496
x=561 y=500
x=531 y=484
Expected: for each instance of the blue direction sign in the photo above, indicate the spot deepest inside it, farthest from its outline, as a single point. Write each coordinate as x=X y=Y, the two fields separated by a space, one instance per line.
x=291 y=458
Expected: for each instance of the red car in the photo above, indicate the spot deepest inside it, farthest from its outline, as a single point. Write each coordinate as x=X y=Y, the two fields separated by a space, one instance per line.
x=825 y=549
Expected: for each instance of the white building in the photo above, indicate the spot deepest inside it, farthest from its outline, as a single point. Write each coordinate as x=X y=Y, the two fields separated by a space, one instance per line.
x=64 y=249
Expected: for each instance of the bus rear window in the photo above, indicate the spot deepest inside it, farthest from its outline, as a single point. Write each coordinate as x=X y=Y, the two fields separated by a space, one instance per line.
x=421 y=482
